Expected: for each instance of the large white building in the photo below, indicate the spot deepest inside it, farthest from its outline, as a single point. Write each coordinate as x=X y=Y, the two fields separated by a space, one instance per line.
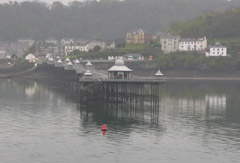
x=193 y=44
x=101 y=44
x=81 y=47
x=217 y=50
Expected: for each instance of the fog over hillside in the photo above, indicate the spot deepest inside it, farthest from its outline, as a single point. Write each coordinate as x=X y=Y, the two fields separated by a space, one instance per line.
x=107 y=19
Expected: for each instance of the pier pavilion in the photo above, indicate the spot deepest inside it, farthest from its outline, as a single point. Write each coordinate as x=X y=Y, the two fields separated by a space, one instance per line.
x=119 y=71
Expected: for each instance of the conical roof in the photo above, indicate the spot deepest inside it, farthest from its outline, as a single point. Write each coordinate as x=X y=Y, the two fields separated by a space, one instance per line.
x=159 y=73
x=89 y=63
x=67 y=59
x=69 y=63
x=59 y=61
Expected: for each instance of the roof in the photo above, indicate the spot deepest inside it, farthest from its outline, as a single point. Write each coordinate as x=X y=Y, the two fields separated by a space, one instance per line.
x=67 y=59
x=159 y=73
x=218 y=45
x=59 y=61
x=192 y=39
x=69 y=63
x=169 y=36
x=136 y=31
x=89 y=63
x=30 y=55
x=119 y=66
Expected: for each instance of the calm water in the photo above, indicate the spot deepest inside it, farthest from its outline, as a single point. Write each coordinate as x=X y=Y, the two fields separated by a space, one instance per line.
x=197 y=122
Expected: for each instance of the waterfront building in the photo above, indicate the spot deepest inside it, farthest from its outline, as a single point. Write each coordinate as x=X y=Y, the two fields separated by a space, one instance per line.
x=217 y=50
x=119 y=71
x=169 y=42
x=193 y=44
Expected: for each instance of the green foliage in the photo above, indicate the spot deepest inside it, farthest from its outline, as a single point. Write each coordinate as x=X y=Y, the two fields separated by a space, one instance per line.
x=106 y=19
x=213 y=25
x=197 y=61
x=120 y=43
x=96 y=48
x=103 y=54
x=134 y=46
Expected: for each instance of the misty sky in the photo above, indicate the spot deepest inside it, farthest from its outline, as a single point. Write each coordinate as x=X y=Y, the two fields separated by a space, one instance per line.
x=48 y=1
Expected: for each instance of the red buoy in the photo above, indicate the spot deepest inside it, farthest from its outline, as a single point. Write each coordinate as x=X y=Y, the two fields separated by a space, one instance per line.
x=104 y=127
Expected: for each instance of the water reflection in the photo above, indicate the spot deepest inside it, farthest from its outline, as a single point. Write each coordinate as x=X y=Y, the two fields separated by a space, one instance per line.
x=187 y=121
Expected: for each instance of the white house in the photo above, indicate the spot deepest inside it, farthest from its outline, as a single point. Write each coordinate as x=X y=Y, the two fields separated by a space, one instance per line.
x=70 y=48
x=52 y=41
x=217 y=50
x=67 y=41
x=193 y=44
x=110 y=45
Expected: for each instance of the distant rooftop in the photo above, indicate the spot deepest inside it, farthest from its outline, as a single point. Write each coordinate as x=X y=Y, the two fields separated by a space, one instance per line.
x=169 y=36
x=192 y=39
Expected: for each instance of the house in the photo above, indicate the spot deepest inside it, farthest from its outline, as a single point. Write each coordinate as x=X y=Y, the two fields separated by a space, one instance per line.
x=138 y=37
x=26 y=41
x=169 y=43
x=67 y=41
x=133 y=56
x=110 y=45
x=81 y=41
x=193 y=44
x=51 y=41
x=94 y=43
x=217 y=50
x=30 y=58
x=49 y=50
x=114 y=57
x=81 y=47
x=119 y=71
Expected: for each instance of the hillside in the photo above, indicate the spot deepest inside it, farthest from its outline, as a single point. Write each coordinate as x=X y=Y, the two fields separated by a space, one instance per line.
x=107 y=19
x=218 y=25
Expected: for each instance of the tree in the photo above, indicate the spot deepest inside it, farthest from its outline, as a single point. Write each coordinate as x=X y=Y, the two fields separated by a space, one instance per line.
x=96 y=48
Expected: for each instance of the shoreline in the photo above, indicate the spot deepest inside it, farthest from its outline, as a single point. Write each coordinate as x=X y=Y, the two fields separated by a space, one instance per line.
x=202 y=78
